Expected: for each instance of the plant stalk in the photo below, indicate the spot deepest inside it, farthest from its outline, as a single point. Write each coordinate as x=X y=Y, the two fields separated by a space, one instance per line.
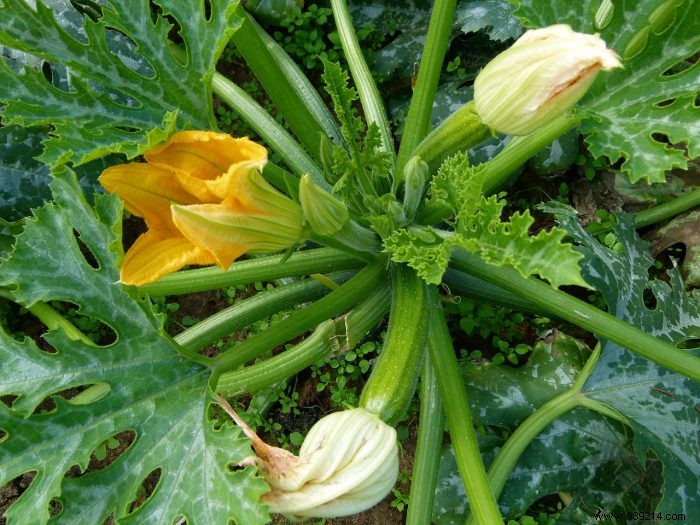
x=497 y=170
x=271 y=131
x=320 y=260
x=289 y=89
x=459 y=419
x=581 y=314
x=426 y=459
x=247 y=311
x=299 y=321
x=514 y=447
x=417 y=123
x=667 y=209
x=370 y=98
x=329 y=338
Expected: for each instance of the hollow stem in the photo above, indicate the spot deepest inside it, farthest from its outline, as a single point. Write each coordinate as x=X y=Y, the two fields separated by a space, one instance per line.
x=321 y=260
x=299 y=321
x=268 y=128
x=511 y=451
x=426 y=459
x=459 y=420
x=420 y=108
x=370 y=98
x=247 y=311
x=581 y=314
x=667 y=209
x=330 y=337
x=499 y=168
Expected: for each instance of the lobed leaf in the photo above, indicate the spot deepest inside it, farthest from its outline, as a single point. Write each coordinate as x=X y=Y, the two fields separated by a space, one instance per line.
x=152 y=391
x=640 y=112
x=660 y=405
x=571 y=455
x=478 y=228
x=123 y=85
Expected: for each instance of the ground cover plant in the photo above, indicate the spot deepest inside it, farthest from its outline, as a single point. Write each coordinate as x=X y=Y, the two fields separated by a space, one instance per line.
x=175 y=296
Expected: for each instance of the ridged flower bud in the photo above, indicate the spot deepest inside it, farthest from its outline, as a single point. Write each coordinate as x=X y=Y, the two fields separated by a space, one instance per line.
x=348 y=462
x=542 y=75
x=325 y=213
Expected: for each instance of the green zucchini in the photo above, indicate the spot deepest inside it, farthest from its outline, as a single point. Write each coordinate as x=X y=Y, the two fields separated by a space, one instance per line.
x=392 y=383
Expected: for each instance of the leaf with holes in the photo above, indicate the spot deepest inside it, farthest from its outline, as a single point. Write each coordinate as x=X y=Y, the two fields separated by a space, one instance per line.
x=148 y=390
x=640 y=112
x=660 y=405
x=576 y=450
x=123 y=85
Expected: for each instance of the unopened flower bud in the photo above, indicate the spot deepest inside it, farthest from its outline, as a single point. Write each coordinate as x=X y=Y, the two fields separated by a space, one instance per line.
x=416 y=174
x=348 y=463
x=325 y=214
x=542 y=75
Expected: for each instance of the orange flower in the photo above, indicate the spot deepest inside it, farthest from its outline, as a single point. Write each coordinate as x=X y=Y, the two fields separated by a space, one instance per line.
x=204 y=202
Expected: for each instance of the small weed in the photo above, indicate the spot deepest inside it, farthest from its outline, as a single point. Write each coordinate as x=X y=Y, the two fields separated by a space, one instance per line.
x=504 y=333
x=339 y=374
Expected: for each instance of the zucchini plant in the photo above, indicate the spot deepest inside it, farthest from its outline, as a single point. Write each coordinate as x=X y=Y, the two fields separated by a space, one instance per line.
x=354 y=226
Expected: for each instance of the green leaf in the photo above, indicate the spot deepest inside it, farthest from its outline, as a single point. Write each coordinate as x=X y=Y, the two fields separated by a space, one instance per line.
x=24 y=181
x=494 y=16
x=571 y=454
x=273 y=11
x=128 y=86
x=660 y=405
x=479 y=229
x=635 y=112
x=683 y=229
x=407 y=20
x=153 y=392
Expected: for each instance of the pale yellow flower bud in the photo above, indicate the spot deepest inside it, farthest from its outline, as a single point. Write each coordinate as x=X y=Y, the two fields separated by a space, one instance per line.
x=348 y=463
x=542 y=75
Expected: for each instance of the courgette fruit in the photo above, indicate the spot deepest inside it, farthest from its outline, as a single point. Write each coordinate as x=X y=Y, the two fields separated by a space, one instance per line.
x=392 y=383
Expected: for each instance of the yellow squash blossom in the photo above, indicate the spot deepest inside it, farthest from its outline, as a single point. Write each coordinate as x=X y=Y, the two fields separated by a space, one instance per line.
x=204 y=202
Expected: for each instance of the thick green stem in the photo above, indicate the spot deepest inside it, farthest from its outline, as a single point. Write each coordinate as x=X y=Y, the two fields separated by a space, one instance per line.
x=462 y=284
x=420 y=109
x=289 y=89
x=463 y=129
x=459 y=419
x=498 y=169
x=54 y=321
x=321 y=260
x=282 y=180
x=370 y=98
x=426 y=459
x=271 y=131
x=354 y=239
x=581 y=314
x=330 y=337
x=249 y=310
x=302 y=320
x=667 y=209
x=520 y=149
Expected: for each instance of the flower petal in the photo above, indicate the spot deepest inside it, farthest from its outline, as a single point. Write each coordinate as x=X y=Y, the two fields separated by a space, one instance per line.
x=228 y=234
x=147 y=192
x=205 y=154
x=232 y=183
x=154 y=255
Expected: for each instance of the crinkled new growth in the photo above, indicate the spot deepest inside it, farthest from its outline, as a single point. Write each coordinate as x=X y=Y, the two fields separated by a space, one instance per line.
x=204 y=202
x=348 y=463
x=542 y=75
